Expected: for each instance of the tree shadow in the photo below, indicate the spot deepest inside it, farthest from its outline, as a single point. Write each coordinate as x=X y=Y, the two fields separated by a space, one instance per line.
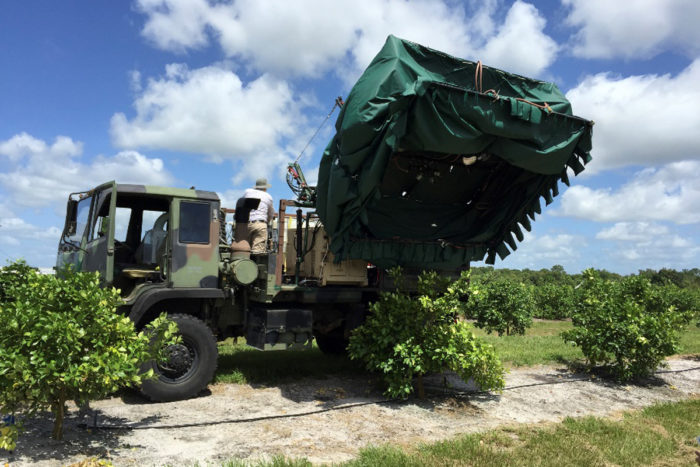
x=311 y=376
x=335 y=393
x=132 y=396
x=272 y=368
x=85 y=434
x=605 y=374
x=332 y=391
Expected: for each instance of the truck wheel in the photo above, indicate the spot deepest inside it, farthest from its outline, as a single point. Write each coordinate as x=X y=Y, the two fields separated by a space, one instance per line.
x=333 y=343
x=190 y=366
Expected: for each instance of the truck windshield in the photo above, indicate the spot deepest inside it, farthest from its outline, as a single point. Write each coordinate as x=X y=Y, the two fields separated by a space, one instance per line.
x=81 y=220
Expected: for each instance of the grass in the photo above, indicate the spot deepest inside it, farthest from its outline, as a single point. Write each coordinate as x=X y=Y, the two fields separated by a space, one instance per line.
x=690 y=341
x=541 y=345
x=661 y=435
x=277 y=461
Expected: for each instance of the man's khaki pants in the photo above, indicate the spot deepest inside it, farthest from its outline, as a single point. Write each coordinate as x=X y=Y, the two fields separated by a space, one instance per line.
x=257 y=236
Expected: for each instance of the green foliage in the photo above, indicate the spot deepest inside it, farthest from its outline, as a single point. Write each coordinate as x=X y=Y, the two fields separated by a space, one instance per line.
x=8 y=436
x=407 y=336
x=685 y=301
x=501 y=305
x=629 y=326
x=553 y=301
x=11 y=277
x=684 y=279
x=61 y=339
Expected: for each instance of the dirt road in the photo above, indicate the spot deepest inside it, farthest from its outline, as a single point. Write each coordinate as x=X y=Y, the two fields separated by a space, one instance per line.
x=329 y=420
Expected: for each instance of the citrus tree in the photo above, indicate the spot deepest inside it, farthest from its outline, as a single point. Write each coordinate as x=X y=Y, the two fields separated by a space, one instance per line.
x=629 y=326
x=501 y=305
x=553 y=301
x=407 y=336
x=61 y=339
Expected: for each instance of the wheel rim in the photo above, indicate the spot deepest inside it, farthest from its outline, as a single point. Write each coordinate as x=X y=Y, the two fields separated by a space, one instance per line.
x=181 y=362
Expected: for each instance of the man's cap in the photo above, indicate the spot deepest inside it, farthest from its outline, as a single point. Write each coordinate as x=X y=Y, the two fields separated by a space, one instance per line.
x=262 y=183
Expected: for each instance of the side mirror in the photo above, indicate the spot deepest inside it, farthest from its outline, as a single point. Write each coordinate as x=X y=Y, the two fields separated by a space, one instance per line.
x=71 y=214
x=104 y=227
x=71 y=229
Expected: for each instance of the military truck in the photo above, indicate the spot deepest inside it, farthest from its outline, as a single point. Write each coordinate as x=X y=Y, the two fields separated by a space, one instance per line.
x=436 y=162
x=168 y=250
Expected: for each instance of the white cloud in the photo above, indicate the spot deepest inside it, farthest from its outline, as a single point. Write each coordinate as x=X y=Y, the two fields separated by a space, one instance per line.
x=15 y=232
x=43 y=175
x=18 y=227
x=8 y=240
x=520 y=46
x=135 y=81
x=638 y=29
x=559 y=247
x=5 y=210
x=633 y=231
x=546 y=250
x=209 y=110
x=176 y=25
x=650 y=244
x=229 y=197
x=24 y=145
x=641 y=120
x=15 y=225
x=670 y=193
x=311 y=37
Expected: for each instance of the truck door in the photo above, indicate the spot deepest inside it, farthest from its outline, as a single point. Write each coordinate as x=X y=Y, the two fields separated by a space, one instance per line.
x=71 y=246
x=99 y=235
x=194 y=234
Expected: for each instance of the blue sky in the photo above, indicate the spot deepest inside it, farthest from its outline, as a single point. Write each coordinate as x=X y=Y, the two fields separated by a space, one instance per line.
x=217 y=94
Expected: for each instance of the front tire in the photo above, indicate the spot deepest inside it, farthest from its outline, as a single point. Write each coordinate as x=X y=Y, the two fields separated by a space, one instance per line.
x=190 y=366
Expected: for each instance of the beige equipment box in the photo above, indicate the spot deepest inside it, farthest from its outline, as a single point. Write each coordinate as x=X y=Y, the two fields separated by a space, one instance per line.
x=318 y=263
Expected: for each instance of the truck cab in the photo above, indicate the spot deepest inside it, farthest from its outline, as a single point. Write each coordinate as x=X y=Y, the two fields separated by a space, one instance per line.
x=138 y=237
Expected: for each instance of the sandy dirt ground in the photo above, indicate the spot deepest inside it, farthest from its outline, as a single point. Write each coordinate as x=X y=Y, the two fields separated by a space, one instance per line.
x=329 y=420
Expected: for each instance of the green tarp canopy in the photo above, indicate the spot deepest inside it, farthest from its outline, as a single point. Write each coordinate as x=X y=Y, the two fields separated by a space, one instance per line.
x=438 y=161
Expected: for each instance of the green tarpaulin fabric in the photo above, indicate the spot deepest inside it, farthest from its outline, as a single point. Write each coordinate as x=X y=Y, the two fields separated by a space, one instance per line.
x=437 y=161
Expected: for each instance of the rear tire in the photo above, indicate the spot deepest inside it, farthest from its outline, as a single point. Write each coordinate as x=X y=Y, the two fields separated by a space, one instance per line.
x=191 y=365
x=333 y=343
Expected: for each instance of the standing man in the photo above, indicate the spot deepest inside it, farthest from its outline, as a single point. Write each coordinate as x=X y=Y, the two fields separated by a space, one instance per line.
x=253 y=212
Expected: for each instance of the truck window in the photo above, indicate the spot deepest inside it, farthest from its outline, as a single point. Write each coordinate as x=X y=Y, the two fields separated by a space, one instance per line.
x=149 y=218
x=81 y=220
x=194 y=222
x=121 y=224
x=101 y=211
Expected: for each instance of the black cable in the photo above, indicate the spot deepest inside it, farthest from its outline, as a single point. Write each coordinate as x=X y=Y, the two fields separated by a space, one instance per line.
x=223 y=422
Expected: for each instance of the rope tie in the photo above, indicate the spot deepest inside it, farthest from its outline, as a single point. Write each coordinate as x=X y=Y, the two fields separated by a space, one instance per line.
x=479 y=83
x=544 y=106
x=494 y=93
x=478 y=76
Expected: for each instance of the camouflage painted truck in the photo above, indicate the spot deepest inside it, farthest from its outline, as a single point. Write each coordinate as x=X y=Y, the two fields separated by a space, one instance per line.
x=436 y=162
